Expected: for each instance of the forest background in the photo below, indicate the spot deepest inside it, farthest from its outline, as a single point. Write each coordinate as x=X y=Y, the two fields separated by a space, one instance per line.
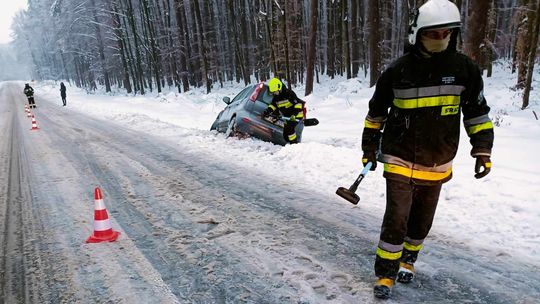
x=143 y=46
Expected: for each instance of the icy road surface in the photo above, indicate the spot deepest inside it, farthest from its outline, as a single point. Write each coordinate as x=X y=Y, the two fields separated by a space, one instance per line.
x=194 y=230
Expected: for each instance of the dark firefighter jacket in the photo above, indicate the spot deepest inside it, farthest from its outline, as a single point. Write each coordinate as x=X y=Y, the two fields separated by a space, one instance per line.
x=28 y=91
x=418 y=103
x=288 y=104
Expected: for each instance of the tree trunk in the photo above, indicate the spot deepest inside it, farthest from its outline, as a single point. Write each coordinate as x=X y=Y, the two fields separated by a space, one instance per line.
x=330 y=55
x=120 y=42
x=202 y=48
x=345 y=38
x=101 y=50
x=286 y=41
x=355 y=52
x=532 y=55
x=474 y=44
x=312 y=47
x=524 y=43
x=374 y=42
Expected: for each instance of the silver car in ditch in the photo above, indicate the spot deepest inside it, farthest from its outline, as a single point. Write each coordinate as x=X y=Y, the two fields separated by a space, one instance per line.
x=242 y=117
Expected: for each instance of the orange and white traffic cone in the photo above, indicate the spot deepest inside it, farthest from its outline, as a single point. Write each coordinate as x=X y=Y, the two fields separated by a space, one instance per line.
x=28 y=113
x=34 y=124
x=103 y=231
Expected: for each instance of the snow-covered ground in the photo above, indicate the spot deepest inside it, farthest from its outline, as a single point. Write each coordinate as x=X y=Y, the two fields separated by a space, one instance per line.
x=496 y=216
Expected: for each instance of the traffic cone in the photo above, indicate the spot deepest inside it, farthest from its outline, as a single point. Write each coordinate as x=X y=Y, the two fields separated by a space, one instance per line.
x=34 y=124
x=103 y=231
x=28 y=113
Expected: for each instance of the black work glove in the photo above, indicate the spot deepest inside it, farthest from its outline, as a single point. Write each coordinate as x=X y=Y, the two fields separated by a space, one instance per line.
x=484 y=162
x=267 y=112
x=370 y=157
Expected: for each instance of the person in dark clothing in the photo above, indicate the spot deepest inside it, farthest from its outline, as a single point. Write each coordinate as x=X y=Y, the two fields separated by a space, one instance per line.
x=288 y=105
x=417 y=104
x=63 y=93
x=29 y=92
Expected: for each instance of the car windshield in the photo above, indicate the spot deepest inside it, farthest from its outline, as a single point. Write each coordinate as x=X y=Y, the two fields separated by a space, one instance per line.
x=265 y=96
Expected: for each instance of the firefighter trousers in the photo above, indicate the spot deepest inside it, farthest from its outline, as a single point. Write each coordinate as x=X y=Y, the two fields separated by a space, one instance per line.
x=289 y=132
x=407 y=220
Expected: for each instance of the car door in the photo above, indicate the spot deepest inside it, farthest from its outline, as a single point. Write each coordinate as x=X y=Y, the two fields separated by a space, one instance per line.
x=231 y=108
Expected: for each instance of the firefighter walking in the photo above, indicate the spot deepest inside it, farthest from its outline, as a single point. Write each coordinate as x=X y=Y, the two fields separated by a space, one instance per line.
x=414 y=118
x=29 y=92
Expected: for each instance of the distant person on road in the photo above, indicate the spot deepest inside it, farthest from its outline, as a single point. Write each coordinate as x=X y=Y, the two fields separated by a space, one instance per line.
x=29 y=92
x=414 y=120
x=288 y=105
x=63 y=93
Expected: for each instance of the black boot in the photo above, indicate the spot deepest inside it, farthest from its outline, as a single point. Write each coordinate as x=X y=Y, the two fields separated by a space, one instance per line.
x=383 y=288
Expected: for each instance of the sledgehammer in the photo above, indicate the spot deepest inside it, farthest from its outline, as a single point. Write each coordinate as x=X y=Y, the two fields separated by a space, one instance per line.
x=349 y=194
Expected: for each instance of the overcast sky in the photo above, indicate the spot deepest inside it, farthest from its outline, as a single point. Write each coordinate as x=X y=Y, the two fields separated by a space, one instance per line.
x=8 y=8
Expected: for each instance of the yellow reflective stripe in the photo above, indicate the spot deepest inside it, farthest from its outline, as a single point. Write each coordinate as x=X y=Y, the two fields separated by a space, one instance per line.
x=417 y=174
x=298 y=105
x=272 y=107
x=435 y=101
x=285 y=104
x=488 y=165
x=292 y=137
x=477 y=128
x=411 y=247
x=372 y=125
x=300 y=115
x=388 y=255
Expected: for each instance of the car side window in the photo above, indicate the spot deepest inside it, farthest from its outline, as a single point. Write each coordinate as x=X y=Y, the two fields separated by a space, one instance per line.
x=242 y=94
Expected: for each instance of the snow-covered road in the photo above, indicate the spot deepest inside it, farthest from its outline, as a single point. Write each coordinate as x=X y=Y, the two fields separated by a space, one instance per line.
x=195 y=229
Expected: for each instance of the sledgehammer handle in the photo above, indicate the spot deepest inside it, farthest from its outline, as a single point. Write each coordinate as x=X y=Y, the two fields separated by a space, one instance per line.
x=354 y=186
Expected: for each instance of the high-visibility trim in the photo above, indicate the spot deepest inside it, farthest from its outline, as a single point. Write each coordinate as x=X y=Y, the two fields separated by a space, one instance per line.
x=477 y=128
x=271 y=106
x=292 y=137
x=391 y=159
x=300 y=115
x=387 y=255
x=372 y=125
x=412 y=247
x=298 y=106
x=428 y=91
x=476 y=120
x=488 y=165
x=417 y=174
x=389 y=247
x=284 y=104
x=413 y=241
x=424 y=102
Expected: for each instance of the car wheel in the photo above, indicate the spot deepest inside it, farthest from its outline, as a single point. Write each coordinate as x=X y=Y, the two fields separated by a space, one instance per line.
x=231 y=128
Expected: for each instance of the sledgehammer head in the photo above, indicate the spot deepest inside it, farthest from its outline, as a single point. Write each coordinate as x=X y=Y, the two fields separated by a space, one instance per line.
x=348 y=195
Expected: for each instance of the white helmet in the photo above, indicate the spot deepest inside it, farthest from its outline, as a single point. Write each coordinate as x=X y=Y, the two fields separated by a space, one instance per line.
x=434 y=14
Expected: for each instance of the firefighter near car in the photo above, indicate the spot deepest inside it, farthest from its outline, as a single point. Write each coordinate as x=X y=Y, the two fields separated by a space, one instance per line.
x=285 y=103
x=413 y=126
